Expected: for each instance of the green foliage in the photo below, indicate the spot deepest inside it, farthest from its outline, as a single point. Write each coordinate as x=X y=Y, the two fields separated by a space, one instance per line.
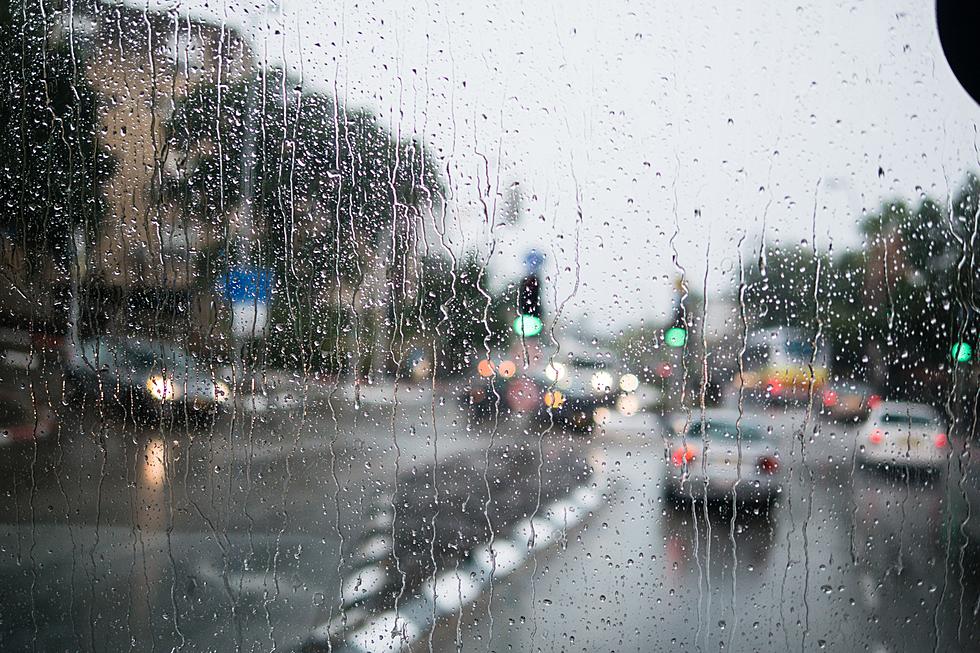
x=51 y=163
x=901 y=300
x=458 y=313
x=312 y=164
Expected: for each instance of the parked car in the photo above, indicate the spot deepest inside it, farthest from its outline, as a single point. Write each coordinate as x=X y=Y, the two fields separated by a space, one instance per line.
x=151 y=377
x=711 y=456
x=903 y=434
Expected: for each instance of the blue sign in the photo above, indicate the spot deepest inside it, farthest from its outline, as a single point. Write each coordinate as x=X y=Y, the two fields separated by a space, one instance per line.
x=247 y=284
x=534 y=260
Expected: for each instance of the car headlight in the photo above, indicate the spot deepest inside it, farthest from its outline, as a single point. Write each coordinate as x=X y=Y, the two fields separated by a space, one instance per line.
x=555 y=372
x=628 y=405
x=221 y=392
x=602 y=381
x=162 y=388
x=629 y=382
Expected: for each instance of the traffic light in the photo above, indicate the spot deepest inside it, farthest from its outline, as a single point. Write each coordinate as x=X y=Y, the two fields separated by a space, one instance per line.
x=528 y=325
x=961 y=352
x=675 y=336
x=529 y=300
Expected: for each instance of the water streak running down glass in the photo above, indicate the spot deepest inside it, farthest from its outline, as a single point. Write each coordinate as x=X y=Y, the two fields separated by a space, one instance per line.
x=531 y=326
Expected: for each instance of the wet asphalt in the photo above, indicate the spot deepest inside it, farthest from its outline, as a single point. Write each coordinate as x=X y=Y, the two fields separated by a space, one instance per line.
x=239 y=535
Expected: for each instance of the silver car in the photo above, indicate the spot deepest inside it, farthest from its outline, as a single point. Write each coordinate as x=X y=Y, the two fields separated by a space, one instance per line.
x=713 y=456
x=903 y=434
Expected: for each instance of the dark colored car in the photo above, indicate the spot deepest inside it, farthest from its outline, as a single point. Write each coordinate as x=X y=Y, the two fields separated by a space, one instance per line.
x=150 y=378
x=573 y=391
x=848 y=401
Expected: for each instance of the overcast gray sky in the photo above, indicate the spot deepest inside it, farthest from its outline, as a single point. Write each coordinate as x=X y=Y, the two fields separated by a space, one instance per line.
x=645 y=118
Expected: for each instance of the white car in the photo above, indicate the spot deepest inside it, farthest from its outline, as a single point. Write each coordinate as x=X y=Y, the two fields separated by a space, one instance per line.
x=707 y=462
x=904 y=435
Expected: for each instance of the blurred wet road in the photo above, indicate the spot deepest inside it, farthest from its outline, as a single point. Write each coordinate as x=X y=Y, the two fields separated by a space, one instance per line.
x=846 y=561
x=237 y=537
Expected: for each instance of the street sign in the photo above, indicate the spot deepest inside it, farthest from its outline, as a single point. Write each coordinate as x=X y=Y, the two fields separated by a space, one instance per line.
x=248 y=289
x=247 y=284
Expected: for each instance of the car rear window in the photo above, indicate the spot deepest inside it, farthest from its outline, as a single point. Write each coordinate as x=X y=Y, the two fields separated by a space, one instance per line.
x=914 y=420
x=718 y=430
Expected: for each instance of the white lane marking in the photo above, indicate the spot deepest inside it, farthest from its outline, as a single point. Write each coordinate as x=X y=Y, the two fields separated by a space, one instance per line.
x=503 y=558
x=545 y=532
x=565 y=514
x=364 y=582
x=453 y=590
x=385 y=632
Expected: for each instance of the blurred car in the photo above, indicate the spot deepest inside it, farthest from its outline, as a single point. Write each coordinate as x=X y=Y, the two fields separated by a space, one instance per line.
x=489 y=389
x=23 y=423
x=705 y=461
x=573 y=391
x=154 y=377
x=848 y=401
x=903 y=434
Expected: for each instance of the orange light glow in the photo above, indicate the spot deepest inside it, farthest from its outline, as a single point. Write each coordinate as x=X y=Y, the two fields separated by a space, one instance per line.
x=507 y=369
x=553 y=399
x=485 y=368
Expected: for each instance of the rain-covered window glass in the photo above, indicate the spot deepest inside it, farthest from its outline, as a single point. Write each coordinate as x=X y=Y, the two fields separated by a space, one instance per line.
x=516 y=326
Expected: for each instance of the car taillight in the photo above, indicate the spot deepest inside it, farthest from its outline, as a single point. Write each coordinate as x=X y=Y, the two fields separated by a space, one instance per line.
x=877 y=436
x=873 y=401
x=768 y=464
x=829 y=398
x=775 y=387
x=941 y=440
x=683 y=454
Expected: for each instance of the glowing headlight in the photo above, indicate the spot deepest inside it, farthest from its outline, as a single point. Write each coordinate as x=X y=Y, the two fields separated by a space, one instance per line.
x=602 y=381
x=555 y=371
x=162 y=389
x=629 y=383
x=221 y=392
x=554 y=399
x=628 y=405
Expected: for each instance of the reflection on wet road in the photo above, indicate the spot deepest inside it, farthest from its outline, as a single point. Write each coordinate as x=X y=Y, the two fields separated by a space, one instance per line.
x=842 y=561
x=278 y=534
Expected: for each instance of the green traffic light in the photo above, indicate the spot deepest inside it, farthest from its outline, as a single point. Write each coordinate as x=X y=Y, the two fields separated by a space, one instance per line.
x=675 y=337
x=528 y=325
x=961 y=352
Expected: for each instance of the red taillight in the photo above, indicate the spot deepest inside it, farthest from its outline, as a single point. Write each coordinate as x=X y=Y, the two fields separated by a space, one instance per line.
x=683 y=454
x=873 y=401
x=941 y=440
x=829 y=398
x=877 y=436
x=775 y=387
x=768 y=465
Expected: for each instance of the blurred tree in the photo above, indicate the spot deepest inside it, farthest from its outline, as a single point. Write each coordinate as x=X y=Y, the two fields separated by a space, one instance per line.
x=51 y=162
x=458 y=315
x=891 y=310
x=336 y=206
x=329 y=183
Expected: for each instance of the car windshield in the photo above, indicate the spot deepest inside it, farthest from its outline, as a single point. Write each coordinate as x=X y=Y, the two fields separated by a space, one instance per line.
x=160 y=356
x=398 y=326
